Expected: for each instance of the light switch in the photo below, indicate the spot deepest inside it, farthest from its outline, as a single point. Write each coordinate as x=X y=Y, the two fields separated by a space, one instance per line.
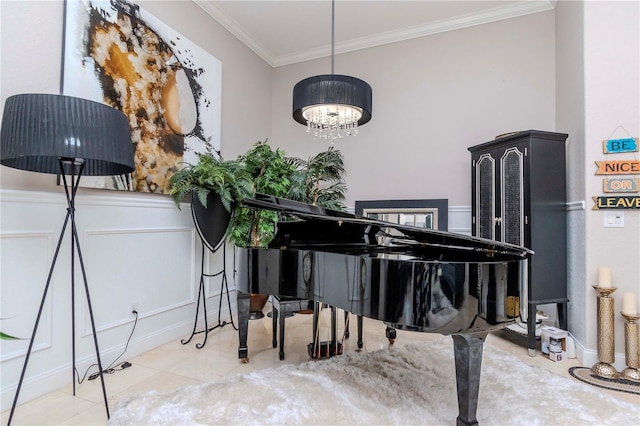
x=614 y=219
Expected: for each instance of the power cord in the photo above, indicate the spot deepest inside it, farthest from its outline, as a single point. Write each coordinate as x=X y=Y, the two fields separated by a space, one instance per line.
x=111 y=368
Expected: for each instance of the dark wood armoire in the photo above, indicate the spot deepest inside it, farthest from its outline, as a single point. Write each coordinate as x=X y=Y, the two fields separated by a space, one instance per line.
x=518 y=196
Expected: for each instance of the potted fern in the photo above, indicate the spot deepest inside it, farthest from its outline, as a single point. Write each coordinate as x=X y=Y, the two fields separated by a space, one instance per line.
x=270 y=172
x=319 y=180
x=215 y=186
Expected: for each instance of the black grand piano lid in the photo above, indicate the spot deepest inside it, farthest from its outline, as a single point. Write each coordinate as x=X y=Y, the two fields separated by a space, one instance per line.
x=408 y=234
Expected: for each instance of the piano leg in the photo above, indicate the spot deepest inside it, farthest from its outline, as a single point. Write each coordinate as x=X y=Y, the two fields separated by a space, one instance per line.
x=390 y=332
x=243 y=325
x=531 y=329
x=334 y=325
x=315 y=353
x=346 y=324
x=282 y=316
x=562 y=314
x=274 y=323
x=468 y=358
x=359 y=326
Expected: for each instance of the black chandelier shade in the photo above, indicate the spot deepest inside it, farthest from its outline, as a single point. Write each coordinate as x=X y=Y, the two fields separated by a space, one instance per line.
x=39 y=130
x=333 y=89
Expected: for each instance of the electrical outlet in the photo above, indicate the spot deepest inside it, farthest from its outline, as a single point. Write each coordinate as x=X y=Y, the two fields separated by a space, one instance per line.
x=134 y=307
x=614 y=219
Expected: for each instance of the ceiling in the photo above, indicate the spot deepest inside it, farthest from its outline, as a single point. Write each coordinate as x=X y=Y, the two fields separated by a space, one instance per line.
x=289 y=31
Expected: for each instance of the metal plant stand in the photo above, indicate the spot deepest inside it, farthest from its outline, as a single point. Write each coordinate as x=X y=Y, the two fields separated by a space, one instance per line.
x=202 y=298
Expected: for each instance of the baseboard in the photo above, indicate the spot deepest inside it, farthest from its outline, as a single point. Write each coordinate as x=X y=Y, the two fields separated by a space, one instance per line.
x=54 y=379
x=589 y=358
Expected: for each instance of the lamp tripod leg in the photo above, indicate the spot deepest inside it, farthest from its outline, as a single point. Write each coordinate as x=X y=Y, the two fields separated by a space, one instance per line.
x=35 y=327
x=70 y=192
x=73 y=299
x=93 y=323
x=75 y=244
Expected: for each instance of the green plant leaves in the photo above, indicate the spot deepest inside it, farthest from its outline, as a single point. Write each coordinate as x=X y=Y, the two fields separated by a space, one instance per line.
x=5 y=336
x=318 y=180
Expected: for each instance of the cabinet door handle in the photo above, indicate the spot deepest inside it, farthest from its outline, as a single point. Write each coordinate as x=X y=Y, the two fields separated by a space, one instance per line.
x=497 y=220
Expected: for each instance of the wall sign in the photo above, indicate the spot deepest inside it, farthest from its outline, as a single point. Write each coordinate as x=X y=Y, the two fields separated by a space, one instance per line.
x=621 y=185
x=621 y=202
x=623 y=167
x=614 y=146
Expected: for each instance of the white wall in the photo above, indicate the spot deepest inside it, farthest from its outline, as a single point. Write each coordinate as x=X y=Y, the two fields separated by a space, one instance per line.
x=597 y=75
x=31 y=62
x=570 y=116
x=137 y=247
x=128 y=246
x=246 y=79
x=433 y=97
x=612 y=99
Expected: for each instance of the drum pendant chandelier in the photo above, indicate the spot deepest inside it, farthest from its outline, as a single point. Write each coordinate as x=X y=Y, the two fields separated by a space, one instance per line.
x=332 y=106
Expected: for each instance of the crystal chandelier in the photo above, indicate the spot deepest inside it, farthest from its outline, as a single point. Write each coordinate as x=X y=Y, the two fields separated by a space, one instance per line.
x=332 y=106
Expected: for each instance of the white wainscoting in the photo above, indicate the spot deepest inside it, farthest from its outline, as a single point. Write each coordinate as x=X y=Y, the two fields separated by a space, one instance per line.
x=137 y=249
x=24 y=266
x=124 y=263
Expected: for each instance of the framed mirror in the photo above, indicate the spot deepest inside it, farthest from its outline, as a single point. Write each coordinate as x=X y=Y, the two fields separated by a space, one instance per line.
x=429 y=214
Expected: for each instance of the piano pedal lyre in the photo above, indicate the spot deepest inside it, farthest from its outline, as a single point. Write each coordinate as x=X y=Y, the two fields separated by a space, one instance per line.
x=324 y=349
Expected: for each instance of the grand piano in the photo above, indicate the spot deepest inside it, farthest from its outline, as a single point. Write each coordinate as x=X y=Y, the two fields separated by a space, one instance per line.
x=410 y=278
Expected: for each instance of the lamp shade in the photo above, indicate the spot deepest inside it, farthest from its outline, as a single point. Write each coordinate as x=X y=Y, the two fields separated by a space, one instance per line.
x=332 y=100
x=40 y=129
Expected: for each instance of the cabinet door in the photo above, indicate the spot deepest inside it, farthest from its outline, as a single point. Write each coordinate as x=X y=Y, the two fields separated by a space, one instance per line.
x=498 y=211
x=499 y=194
x=484 y=202
x=511 y=220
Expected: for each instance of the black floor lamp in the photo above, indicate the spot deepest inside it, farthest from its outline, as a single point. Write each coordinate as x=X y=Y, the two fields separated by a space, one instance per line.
x=72 y=137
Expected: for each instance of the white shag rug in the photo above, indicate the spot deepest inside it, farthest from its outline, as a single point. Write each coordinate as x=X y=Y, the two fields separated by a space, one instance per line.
x=412 y=384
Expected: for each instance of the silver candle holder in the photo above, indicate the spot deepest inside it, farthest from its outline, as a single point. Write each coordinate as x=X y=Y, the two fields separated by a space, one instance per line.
x=632 y=372
x=606 y=334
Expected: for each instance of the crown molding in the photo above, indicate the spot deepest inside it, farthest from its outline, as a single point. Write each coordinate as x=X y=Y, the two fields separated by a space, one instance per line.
x=464 y=21
x=235 y=29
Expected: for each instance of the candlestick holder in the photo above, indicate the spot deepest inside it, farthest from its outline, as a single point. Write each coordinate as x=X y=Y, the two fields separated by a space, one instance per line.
x=632 y=372
x=606 y=334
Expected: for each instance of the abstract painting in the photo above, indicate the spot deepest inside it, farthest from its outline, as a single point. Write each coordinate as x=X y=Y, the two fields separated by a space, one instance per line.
x=168 y=87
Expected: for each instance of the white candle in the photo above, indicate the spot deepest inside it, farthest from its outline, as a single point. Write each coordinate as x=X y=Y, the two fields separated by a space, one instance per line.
x=629 y=306
x=604 y=277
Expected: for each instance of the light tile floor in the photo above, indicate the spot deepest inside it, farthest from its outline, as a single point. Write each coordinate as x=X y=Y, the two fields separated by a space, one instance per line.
x=174 y=365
